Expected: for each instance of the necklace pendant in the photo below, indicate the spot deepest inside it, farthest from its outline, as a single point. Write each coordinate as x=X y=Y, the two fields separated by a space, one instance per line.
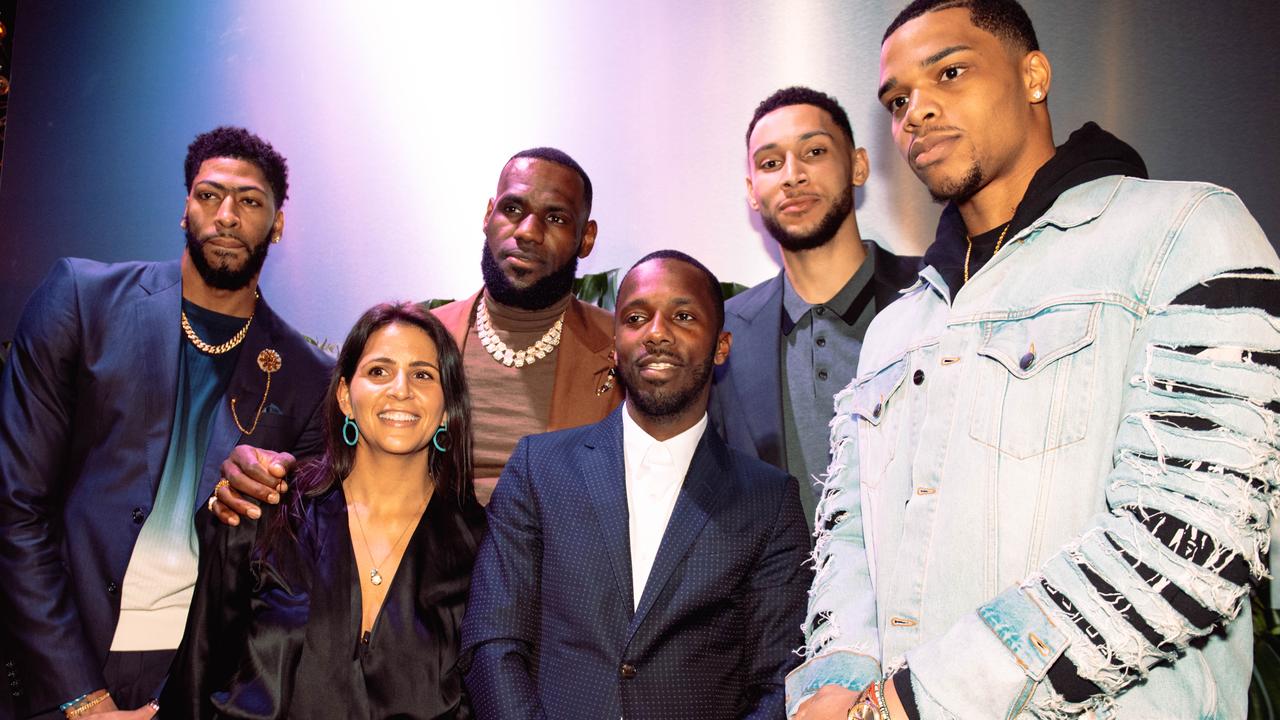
x=375 y=577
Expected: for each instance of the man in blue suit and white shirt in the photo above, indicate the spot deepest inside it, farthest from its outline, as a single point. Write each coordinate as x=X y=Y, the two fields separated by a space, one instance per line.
x=127 y=385
x=639 y=567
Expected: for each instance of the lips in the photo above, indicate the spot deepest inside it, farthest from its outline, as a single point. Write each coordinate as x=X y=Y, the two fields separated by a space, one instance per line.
x=797 y=205
x=930 y=148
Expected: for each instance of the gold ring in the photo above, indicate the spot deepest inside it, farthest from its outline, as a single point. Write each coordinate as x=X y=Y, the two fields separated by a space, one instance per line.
x=214 y=497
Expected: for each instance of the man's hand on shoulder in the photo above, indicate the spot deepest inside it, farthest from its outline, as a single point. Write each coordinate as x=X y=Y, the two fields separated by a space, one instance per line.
x=249 y=472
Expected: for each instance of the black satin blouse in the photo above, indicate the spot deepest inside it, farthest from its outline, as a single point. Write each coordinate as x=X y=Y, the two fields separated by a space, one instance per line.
x=278 y=636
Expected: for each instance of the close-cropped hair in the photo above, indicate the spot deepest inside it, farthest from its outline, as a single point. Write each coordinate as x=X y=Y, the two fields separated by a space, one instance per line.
x=236 y=142
x=450 y=470
x=560 y=157
x=800 y=95
x=713 y=283
x=1005 y=19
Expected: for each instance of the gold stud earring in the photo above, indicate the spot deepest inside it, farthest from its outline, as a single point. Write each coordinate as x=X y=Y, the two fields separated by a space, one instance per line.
x=275 y=239
x=1037 y=95
x=182 y=223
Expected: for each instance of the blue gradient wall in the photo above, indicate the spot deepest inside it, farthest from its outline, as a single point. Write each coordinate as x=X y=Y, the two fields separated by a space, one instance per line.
x=397 y=117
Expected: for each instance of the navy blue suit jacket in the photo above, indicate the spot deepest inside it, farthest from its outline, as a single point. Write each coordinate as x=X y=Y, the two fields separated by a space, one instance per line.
x=86 y=409
x=550 y=630
x=746 y=392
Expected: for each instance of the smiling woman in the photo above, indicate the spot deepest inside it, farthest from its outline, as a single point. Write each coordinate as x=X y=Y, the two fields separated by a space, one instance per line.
x=386 y=522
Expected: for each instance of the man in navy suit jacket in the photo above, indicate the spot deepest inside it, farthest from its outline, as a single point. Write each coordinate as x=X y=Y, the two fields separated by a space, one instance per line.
x=799 y=333
x=127 y=385
x=639 y=567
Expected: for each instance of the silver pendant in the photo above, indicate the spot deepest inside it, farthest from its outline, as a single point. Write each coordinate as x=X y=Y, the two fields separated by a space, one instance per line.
x=375 y=577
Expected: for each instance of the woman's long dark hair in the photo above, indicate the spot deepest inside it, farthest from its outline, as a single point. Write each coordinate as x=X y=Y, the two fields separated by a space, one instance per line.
x=450 y=470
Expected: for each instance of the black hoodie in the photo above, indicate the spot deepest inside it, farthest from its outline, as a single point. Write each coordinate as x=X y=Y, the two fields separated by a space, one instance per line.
x=1088 y=154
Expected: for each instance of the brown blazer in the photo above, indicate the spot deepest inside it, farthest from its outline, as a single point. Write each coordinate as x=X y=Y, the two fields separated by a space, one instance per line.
x=586 y=344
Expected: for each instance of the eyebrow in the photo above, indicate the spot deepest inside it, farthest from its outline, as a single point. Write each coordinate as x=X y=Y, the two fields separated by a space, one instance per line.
x=891 y=83
x=415 y=363
x=802 y=138
x=223 y=188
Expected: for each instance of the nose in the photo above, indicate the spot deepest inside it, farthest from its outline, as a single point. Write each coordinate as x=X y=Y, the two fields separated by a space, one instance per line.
x=400 y=386
x=530 y=229
x=793 y=173
x=227 y=216
x=921 y=110
x=657 y=332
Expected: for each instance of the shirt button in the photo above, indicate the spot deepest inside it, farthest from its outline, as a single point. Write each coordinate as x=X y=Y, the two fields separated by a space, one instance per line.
x=822 y=342
x=822 y=374
x=138 y=516
x=918 y=377
x=112 y=588
x=628 y=671
x=820 y=310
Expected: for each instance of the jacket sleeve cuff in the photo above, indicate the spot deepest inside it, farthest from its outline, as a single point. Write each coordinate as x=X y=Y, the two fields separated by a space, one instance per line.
x=1010 y=643
x=850 y=669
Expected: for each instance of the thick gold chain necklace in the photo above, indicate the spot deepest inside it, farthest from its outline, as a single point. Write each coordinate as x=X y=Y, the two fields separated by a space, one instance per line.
x=969 y=252
x=235 y=340
x=504 y=354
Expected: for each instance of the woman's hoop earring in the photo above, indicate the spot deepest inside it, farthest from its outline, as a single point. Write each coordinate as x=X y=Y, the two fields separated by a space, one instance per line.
x=435 y=439
x=348 y=428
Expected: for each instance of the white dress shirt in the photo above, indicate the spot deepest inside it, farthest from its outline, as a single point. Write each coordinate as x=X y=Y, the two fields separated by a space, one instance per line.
x=655 y=473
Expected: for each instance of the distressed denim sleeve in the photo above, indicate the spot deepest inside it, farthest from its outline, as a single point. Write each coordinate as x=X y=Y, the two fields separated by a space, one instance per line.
x=1191 y=495
x=842 y=645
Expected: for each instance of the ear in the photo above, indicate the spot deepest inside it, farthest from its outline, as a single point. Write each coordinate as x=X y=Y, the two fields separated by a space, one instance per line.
x=487 y=212
x=1037 y=76
x=277 y=227
x=723 y=343
x=588 y=239
x=861 y=167
x=751 y=195
x=344 y=397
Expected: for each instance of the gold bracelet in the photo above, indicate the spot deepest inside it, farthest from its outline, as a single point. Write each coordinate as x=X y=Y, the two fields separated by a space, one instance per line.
x=86 y=706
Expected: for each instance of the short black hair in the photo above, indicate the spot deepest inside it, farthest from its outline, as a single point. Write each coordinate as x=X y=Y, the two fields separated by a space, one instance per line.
x=560 y=157
x=800 y=95
x=1005 y=19
x=713 y=283
x=236 y=142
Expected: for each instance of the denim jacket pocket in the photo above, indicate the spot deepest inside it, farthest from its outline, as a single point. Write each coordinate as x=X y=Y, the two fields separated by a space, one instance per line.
x=871 y=399
x=1036 y=377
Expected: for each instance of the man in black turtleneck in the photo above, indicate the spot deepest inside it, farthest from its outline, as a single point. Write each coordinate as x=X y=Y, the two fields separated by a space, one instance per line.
x=1056 y=466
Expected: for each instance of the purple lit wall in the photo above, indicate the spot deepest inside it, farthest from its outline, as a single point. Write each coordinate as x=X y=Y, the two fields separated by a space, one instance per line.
x=397 y=117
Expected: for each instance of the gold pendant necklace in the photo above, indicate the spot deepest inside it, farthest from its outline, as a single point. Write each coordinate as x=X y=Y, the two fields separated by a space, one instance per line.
x=504 y=354
x=375 y=577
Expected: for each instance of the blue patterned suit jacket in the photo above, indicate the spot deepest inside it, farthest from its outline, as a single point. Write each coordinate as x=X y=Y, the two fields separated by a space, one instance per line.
x=550 y=631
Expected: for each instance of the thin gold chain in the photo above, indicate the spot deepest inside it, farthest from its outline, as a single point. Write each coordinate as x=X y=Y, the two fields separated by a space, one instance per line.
x=368 y=550
x=969 y=252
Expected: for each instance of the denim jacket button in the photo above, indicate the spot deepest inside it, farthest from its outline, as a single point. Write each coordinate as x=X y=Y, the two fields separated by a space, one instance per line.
x=875 y=412
x=1026 y=360
x=918 y=377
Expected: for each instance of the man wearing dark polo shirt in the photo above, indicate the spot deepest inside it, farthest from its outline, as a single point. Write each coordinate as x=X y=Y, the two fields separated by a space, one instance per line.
x=798 y=335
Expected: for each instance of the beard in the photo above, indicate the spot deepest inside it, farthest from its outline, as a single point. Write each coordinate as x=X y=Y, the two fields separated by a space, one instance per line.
x=665 y=401
x=820 y=235
x=223 y=277
x=542 y=293
x=962 y=190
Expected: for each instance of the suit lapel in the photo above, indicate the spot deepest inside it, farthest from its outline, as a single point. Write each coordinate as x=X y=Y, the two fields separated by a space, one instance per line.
x=696 y=502
x=246 y=386
x=761 y=356
x=581 y=370
x=157 y=330
x=606 y=482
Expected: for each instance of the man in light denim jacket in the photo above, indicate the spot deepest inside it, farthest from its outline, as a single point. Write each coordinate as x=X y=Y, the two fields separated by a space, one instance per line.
x=1054 y=474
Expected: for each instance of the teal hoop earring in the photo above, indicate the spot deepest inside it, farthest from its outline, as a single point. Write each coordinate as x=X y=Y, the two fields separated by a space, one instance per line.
x=349 y=425
x=435 y=439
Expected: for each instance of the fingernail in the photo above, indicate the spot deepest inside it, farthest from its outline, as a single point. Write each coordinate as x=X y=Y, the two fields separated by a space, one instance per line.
x=273 y=498
x=283 y=486
x=235 y=520
x=255 y=513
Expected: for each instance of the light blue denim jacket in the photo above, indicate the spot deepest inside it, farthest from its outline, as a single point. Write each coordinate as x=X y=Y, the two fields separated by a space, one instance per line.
x=992 y=442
